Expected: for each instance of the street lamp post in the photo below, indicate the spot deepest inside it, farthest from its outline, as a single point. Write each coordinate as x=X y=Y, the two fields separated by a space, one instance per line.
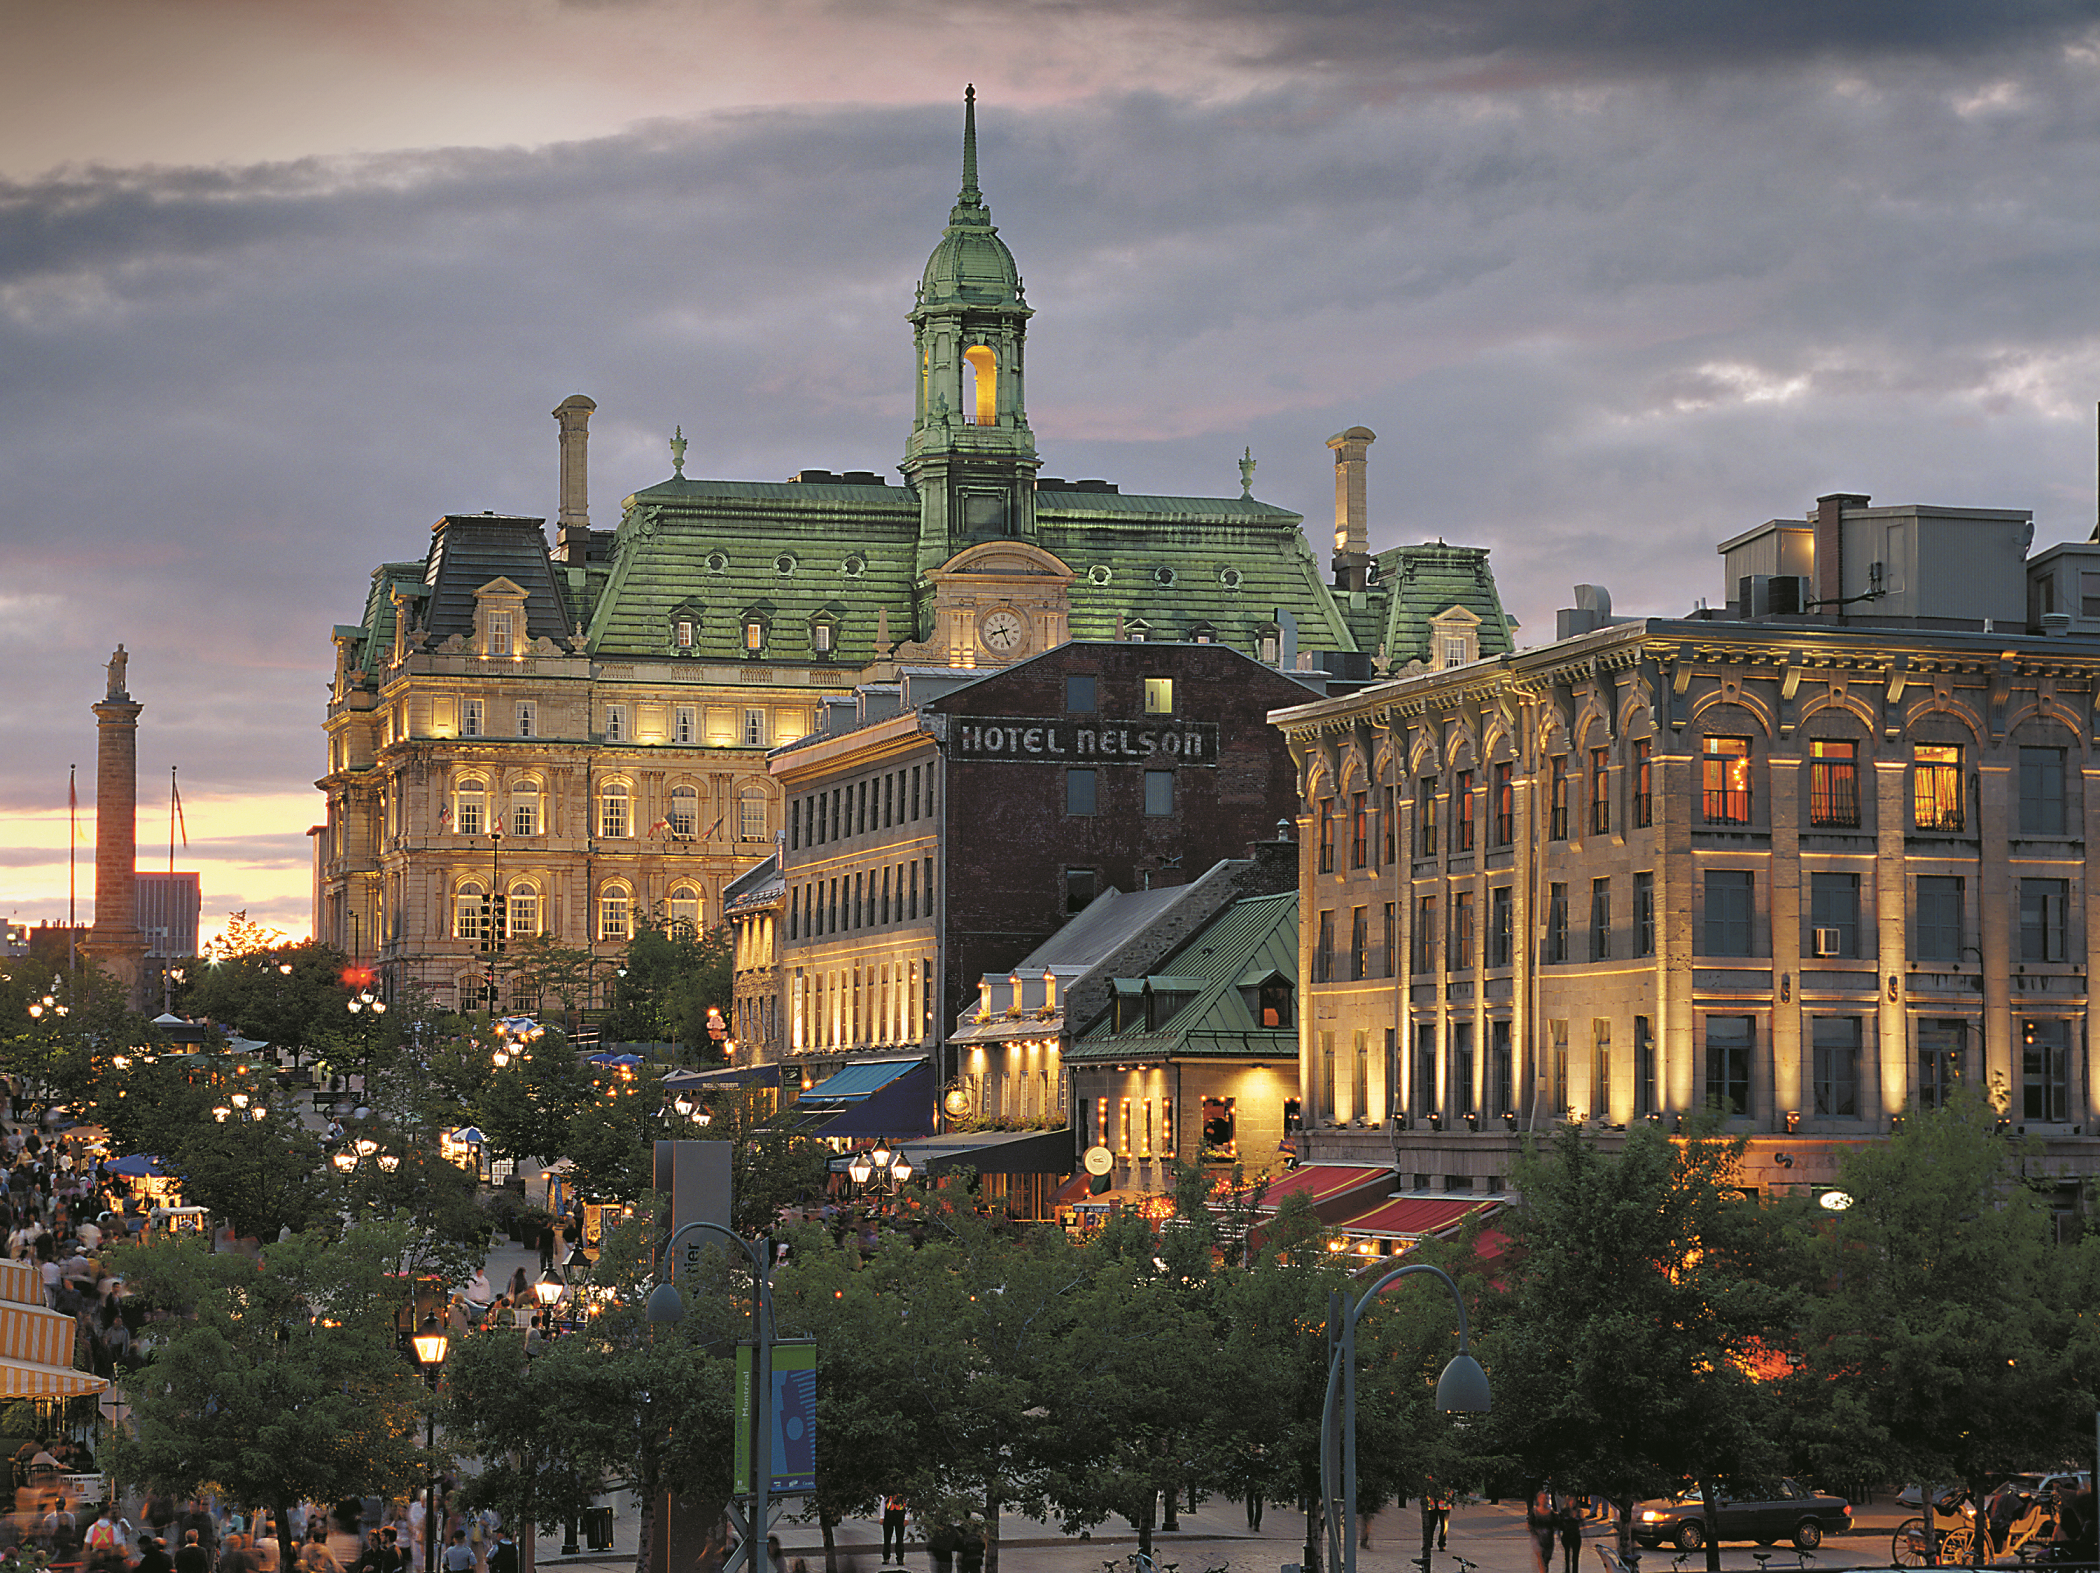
x=1463 y=1386
x=667 y=1305
x=430 y=1344
x=498 y=914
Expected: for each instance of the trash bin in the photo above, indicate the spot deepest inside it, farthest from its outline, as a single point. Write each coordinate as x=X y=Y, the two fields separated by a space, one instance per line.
x=597 y=1528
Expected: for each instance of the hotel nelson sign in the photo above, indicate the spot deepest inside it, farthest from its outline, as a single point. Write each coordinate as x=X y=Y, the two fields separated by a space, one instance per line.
x=1069 y=742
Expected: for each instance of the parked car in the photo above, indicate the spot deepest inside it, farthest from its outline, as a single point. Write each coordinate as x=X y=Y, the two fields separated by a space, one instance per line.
x=1788 y=1512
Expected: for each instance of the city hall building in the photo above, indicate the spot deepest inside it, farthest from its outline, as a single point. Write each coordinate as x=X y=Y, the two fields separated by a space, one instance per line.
x=579 y=729
x=1814 y=861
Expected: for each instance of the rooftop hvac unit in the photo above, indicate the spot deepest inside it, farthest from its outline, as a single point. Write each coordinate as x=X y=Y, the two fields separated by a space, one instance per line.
x=1773 y=594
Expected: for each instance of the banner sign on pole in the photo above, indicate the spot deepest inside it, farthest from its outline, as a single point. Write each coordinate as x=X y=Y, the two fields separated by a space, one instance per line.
x=792 y=1417
x=746 y=1393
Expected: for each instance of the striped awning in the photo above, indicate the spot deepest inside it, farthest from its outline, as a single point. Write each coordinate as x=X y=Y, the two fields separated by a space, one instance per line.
x=36 y=1343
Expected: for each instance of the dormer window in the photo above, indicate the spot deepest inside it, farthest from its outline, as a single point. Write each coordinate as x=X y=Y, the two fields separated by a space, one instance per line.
x=822 y=637
x=754 y=636
x=1454 y=638
x=683 y=637
x=1268 y=1000
x=499 y=619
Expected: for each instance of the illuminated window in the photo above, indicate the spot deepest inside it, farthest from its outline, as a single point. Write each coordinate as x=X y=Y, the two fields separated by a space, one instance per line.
x=616 y=723
x=1600 y=792
x=1159 y=696
x=684 y=817
x=615 y=912
x=1935 y=787
x=685 y=910
x=1833 y=782
x=523 y=912
x=499 y=633
x=1643 y=795
x=751 y=816
x=980 y=403
x=470 y=910
x=685 y=633
x=525 y=808
x=1726 y=781
x=821 y=636
x=470 y=807
x=754 y=729
x=615 y=803
x=754 y=635
x=1557 y=829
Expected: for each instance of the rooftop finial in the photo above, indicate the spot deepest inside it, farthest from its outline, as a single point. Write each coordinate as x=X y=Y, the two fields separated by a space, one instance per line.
x=1247 y=463
x=678 y=452
x=970 y=192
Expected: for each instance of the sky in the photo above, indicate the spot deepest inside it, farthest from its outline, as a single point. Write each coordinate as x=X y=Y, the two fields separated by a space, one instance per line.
x=283 y=281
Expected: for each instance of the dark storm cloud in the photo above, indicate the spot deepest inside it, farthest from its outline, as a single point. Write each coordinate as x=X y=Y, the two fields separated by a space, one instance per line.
x=1596 y=330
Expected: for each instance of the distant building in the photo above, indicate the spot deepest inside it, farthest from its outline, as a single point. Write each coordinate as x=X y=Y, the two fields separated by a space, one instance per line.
x=169 y=906
x=754 y=903
x=1815 y=859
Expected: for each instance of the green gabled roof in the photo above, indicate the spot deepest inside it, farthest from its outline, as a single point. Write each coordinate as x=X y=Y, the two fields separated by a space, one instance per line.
x=1258 y=935
x=1422 y=581
x=711 y=549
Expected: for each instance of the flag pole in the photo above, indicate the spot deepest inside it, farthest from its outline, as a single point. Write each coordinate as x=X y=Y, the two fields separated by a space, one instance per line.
x=173 y=799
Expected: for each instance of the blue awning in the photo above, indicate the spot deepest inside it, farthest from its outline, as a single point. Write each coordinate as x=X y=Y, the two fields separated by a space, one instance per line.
x=901 y=1107
x=855 y=1082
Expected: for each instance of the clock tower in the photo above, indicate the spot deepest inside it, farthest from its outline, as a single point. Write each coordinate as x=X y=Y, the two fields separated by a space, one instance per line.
x=971 y=456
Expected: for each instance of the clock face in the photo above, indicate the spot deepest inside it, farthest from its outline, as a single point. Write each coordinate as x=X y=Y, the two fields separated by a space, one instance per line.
x=1002 y=631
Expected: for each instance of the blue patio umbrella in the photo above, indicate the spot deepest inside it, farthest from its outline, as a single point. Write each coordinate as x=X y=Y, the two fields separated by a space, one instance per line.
x=137 y=1167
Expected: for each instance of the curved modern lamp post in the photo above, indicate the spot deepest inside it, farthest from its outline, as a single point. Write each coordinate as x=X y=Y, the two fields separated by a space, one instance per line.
x=1462 y=1387
x=667 y=1305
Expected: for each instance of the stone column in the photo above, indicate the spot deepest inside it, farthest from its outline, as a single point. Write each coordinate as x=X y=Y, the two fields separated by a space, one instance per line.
x=116 y=943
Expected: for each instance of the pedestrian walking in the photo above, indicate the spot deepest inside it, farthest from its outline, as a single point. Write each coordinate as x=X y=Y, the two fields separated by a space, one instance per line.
x=893 y=1510
x=1538 y=1522
x=1437 y=1501
x=1570 y=1517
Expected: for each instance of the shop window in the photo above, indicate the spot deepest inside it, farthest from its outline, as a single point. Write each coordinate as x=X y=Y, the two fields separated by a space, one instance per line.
x=1220 y=1129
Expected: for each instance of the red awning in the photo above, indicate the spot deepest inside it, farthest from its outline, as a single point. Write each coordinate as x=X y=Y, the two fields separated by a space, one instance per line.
x=1411 y=1217
x=1324 y=1183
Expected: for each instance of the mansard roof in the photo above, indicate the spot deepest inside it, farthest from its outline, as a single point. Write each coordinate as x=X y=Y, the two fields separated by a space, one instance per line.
x=1422 y=581
x=1254 y=937
x=467 y=551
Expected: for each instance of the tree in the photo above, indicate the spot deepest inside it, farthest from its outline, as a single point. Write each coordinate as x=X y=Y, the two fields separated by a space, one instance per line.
x=670 y=980
x=290 y=996
x=274 y=1379
x=260 y=1176
x=1947 y=1345
x=525 y=1108
x=1623 y=1358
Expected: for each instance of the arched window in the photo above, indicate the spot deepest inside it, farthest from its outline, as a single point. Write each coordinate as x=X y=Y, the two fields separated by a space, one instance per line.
x=751 y=815
x=684 y=818
x=686 y=910
x=615 y=912
x=525 y=807
x=615 y=809
x=470 y=799
x=469 y=910
x=523 y=909
x=980 y=386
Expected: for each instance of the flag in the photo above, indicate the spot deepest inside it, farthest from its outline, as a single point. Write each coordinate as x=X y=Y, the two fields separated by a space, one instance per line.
x=180 y=819
x=711 y=829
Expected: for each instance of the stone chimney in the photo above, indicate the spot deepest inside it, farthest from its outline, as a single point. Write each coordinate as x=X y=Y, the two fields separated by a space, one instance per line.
x=1828 y=520
x=572 y=538
x=1352 y=513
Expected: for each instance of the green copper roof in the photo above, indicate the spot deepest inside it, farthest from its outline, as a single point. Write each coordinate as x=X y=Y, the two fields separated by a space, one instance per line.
x=971 y=267
x=1255 y=937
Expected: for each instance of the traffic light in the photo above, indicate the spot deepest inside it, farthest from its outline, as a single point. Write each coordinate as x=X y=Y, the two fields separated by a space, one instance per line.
x=499 y=920
x=488 y=927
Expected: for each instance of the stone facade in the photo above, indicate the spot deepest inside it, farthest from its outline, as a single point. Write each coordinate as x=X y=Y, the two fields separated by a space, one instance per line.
x=1811 y=869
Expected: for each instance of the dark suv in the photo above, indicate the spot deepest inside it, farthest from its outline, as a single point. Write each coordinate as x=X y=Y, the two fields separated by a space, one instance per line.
x=1788 y=1512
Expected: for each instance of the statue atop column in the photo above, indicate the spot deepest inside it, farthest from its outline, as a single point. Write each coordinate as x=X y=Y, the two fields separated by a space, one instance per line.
x=116 y=674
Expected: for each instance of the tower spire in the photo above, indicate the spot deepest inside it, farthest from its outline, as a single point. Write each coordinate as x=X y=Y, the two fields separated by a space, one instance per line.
x=970 y=193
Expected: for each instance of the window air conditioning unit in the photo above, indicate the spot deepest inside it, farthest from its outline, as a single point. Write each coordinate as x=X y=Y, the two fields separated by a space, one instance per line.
x=1827 y=942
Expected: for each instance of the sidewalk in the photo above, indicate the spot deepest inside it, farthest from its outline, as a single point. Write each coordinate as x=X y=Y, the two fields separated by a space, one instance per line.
x=1215 y=1537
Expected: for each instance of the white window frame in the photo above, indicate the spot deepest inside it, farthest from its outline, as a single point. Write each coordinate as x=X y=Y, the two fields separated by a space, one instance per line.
x=616 y=723
x=528 y=718
x=471 y=713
